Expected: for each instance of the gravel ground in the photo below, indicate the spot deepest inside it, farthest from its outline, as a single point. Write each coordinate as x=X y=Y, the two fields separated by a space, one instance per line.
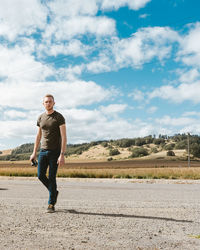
x=100 y=214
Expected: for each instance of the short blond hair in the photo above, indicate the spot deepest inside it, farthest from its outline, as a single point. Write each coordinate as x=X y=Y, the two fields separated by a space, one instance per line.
x=49 y=95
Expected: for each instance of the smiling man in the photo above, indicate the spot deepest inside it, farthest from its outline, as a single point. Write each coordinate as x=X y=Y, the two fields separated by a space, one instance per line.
x=52 y=134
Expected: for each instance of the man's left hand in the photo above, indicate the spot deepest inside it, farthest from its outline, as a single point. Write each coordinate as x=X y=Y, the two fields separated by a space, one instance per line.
x=61 y=160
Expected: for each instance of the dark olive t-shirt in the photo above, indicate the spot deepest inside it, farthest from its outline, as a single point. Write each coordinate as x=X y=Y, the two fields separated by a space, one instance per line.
x=51 y=138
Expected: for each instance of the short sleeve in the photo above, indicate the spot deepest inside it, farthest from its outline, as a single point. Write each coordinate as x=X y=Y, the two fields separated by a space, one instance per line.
x=61 y=120
x=38 y=121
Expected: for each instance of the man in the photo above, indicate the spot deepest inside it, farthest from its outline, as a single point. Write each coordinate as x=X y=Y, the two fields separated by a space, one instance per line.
x=52 y=133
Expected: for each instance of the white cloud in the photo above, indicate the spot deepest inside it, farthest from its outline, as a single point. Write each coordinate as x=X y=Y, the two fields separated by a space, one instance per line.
x=113 y=109
x=189 y=52
x=71 y=73
x=13 y=114
x=68 y=28
x=67 y=94
x=181 y=121
x=183 y=92
x=188 y=76
x=21 y=17
x=17 y=129
x=116 y=4
x=144 y=45
x=180 y=124
x=82 y=125
x=102 y=64
x=74 y=47
x=16 y=63
x=191 y=113
x=152 y=109
x=87 y=125
x=143 y=16
x=137 y=95
x=68 y=8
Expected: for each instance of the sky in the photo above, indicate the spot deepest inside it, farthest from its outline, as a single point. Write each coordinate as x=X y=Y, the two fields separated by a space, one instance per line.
x=117 y=68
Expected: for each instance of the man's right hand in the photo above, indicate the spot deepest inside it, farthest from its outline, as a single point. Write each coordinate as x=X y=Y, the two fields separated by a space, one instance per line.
x=33 y=157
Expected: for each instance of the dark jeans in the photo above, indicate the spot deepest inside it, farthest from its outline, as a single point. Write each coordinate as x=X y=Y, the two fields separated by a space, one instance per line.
x=48 y=158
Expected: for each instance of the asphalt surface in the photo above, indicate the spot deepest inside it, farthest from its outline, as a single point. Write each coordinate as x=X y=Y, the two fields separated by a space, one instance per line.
x=100 y=214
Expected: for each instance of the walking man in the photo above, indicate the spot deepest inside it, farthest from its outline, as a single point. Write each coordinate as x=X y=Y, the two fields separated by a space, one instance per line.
x=52 y=134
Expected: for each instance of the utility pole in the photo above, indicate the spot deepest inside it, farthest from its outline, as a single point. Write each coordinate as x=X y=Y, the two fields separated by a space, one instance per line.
x=189 y=150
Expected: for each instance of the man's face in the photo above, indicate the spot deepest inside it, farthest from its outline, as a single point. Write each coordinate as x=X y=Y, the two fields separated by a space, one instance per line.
x=48 y=103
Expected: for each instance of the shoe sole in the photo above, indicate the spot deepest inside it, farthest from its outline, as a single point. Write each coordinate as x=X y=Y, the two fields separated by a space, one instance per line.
x=50 y=212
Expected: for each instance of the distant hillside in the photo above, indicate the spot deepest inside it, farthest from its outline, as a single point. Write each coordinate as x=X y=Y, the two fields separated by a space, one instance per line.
x=147 y=147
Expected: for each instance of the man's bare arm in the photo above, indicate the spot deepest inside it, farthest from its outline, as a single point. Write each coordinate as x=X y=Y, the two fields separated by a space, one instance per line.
x=36 y=145
x=63 y=133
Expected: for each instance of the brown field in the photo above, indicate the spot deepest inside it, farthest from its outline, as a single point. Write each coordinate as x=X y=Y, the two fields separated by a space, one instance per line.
x=154 y=169
x=111 y=164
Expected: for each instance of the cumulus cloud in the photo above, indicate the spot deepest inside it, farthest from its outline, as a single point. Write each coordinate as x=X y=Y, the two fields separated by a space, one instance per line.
x=137 y=95
x=116 y=4
x=102 y=64
x=183 y=124
x=64 y=18
x=188 y=76
x=74 y=47
x=82 y=125
x=152 y=109
x=65 y=29
x=183 y=92
x=69 y=8
x=88 y=124
x=180 y=121
x=16 y=63
x=71 y=73
x=21 y=17
x=144 y=45
x=67 y=94
x=17 y=129
x=13 y=114
x=189 y=52
x=191 y=113
x=113 y=109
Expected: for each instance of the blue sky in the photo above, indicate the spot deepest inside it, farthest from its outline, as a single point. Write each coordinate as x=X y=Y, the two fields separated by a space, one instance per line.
x=117 y=68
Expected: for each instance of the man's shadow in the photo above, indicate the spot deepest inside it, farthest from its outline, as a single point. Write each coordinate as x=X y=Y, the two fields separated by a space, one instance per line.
x=3 y=189
x=72 y=211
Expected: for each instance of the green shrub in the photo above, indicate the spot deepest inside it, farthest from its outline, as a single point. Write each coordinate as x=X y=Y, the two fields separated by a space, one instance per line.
x=154 y=150
x=110 y=159
x=139 y=152
x=181 y=144
x=124 y=143
x=140 y=142
x=170 y=153
x=158 y=141
x=104 y=144
x=195 y=150
x=77 y=149
x=114 y=151
x=169 y=146
x=24 y=148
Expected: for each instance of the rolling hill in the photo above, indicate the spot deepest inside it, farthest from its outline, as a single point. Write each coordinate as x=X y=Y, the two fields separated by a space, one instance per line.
x=146 y=148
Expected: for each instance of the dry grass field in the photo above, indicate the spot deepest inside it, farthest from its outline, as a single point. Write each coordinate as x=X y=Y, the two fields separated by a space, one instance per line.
x=153 y=169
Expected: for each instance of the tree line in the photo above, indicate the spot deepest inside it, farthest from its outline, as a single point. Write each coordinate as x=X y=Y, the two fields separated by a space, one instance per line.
x=135 y=145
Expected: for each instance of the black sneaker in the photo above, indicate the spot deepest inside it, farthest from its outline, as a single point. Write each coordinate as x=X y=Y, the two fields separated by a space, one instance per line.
x=57 y=193
x=51 y=208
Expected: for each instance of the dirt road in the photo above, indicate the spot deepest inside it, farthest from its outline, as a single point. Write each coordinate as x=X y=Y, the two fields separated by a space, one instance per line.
x=100 y=214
